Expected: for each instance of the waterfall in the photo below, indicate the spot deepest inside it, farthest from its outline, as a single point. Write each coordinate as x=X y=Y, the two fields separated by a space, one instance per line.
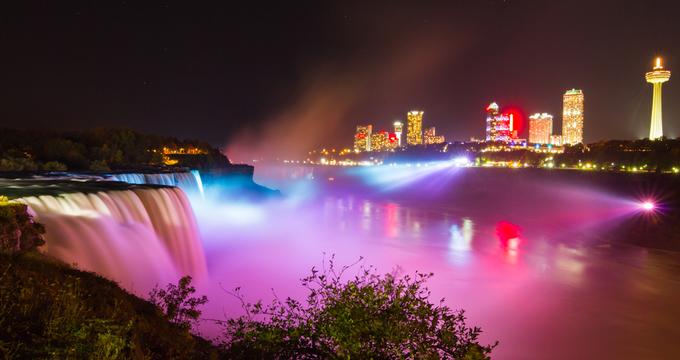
x=199 y=182
x=190 y=182
x=138 y=237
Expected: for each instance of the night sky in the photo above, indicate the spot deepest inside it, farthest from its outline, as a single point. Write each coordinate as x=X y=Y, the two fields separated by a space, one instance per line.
x=293 y=75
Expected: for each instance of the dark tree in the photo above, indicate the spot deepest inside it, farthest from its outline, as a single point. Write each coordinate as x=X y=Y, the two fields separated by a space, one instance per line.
x=177 y=302
x=367 y=316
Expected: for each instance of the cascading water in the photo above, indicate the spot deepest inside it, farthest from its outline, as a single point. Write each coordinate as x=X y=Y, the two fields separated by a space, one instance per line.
x=190 y=182
x=199 y=182
x=139 y=237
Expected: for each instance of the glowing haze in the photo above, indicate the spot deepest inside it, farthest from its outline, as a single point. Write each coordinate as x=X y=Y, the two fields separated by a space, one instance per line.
x=334 y=99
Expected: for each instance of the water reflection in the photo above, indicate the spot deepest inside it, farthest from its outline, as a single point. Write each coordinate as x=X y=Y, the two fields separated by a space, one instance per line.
x=460 y=242
x=509 y=239
x=517 y=274
x=461 y=237
x=391 y=220
x=366 y=215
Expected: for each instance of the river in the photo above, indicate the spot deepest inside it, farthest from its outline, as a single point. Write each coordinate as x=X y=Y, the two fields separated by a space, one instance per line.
x=536 y=262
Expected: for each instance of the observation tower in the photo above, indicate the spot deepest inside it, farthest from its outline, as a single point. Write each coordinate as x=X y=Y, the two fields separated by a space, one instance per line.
x=657 y=77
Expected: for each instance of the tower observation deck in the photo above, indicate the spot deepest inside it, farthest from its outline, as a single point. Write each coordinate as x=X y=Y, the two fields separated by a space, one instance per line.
x=657 y=77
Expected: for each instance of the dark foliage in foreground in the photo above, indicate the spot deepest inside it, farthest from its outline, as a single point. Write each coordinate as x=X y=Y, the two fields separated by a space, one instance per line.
x=367 y=316
x=177 y=302
x=51 y=311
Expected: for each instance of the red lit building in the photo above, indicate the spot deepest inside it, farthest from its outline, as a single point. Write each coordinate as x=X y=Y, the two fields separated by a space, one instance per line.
x=499 y=126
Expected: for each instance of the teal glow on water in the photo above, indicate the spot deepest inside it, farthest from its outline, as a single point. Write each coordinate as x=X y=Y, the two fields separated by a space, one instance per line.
x=533 y=267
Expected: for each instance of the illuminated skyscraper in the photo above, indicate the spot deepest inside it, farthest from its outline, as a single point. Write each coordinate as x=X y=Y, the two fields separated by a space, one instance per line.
x=414 y=136
x=498 y=126
x=657 y=77
x=572 y=117
x=398 y=129
x=430 y=136
x=362 y=138
x=380 y=141
x=540 y=128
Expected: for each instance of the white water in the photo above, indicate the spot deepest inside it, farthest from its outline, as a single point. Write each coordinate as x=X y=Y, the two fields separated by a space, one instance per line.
x=138 y=237
x=190 y=182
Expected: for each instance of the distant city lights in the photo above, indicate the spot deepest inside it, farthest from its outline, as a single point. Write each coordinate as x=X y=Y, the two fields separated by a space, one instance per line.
x=461 y=161
x=501 y=145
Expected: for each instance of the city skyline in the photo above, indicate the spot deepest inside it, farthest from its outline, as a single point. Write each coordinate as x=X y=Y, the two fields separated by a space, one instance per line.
x=501 y=125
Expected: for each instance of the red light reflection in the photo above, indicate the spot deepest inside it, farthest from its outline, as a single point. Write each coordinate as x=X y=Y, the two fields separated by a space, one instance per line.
x=507 y=231
x=509 y=237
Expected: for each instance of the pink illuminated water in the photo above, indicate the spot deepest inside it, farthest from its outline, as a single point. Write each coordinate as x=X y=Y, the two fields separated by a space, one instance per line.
x=537 y=274
x=138 y=238
x=532 y=260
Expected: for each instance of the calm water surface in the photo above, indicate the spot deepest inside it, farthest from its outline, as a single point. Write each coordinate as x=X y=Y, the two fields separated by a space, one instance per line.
x=533 y=267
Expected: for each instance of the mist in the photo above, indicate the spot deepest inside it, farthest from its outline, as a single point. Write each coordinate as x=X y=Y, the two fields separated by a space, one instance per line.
x=375 y=85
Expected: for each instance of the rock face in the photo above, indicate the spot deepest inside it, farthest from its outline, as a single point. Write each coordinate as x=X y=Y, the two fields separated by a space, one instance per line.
x=236 y=181
x=18 y=231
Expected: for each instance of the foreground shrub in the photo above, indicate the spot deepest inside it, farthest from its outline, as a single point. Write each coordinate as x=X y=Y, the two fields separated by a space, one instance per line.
x=367 y=316
x=49 y=310
x=177 y=302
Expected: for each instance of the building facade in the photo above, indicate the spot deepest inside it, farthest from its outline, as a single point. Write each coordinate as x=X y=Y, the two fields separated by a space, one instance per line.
x=498 y=125
x=414 y=135
x=556 y=140
x=430 y=136
x=380 y=141
x=540 y=128
x=398 y=130
x=572 y=117
x=362 y=138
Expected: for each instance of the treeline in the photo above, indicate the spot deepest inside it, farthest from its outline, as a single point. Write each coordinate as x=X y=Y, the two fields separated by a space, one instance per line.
x=90 y=150
x=644 y=155
x=641 y=155
x=657 y=155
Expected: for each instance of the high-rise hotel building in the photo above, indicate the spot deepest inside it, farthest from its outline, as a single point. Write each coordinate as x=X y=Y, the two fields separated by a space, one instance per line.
x=362 y=138
x=380 y=141
x=540 y=128
x=572 y=117
x=414 y=134
x=499 y=126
